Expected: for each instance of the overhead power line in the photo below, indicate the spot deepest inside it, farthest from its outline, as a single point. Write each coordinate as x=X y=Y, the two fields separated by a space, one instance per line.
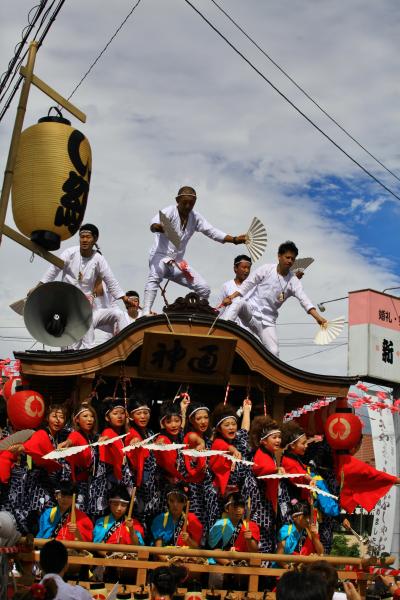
x=292 y=104
x=114 y=35
x=303 y=91
x=318 y=352
x=46 y=26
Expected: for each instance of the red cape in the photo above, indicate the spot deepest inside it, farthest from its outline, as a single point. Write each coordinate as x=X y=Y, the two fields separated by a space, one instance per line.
x=362 y=484
x=38 y=446
x=112 y=453
x=167 y=459
x=82 y=460
x=136 y=457
x=220 y=466
x=195 y=467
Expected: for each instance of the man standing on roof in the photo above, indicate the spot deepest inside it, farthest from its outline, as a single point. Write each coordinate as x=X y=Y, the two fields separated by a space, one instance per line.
x=249 y=316
x=166 y=262
x=275 y=283
x=84 y=268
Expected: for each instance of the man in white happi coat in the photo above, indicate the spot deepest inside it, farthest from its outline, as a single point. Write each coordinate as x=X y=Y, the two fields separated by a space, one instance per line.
x=275 y=283
x=84 y=267
x=166 y=262
x=248 y=315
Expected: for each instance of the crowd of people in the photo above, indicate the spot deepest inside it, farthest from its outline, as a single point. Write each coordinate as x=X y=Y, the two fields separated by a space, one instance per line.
x=229 y=505
x=252 y=300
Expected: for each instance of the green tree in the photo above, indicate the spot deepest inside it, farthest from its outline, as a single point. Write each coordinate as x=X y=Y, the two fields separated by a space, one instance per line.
x=341 y=547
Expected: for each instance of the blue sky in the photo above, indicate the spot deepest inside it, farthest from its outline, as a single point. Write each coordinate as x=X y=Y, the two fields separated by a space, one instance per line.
x=170 y=104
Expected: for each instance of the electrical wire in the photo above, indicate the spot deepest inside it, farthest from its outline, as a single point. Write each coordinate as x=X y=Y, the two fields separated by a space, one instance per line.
x=104 y=49
x=40 y=42
x=292 y=104
x=303 y=91
x=318 y=352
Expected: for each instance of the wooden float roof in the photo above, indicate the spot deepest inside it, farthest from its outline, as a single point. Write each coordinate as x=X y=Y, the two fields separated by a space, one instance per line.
x=121 y=349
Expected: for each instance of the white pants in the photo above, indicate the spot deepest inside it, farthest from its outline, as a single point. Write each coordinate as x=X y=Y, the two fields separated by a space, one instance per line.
x=160 y=270
x=266 y=332
x=109 y=320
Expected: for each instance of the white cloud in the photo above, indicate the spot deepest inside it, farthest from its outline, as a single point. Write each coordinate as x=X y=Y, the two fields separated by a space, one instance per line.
x=169 y=104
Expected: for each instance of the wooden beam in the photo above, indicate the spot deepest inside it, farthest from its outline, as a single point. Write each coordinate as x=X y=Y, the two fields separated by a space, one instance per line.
x=16 y=134
x=24 y=241
x=49 y=91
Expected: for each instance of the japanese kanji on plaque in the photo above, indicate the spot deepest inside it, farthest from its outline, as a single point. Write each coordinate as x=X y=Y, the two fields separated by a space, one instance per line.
x=188 y=358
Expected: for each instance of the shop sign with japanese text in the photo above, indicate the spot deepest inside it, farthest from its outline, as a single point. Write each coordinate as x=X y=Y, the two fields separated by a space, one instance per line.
x=374 y=335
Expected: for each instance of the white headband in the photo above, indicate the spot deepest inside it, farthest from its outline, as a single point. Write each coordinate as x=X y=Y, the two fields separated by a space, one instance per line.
x=119 y=500
x=116 y=406
x=295 y=440
x=198 y=408
x=81 y=410
x=299 y=512
x=272 y=432
x=224 y=419
x=143 y=407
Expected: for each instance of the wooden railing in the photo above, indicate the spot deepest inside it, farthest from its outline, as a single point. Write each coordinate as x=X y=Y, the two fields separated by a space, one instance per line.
x=148 y=557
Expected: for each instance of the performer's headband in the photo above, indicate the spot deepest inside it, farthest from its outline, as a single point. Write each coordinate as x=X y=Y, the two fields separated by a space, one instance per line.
x=186 y=194
x=242 y=504
x=224 y=419
x=115 y=406
x=133 y=297
x=83 y=409
x=267 y=434
x=195 y=410
x=175 y=414
x=120 y=500
x=296 y=514
x=296 y=439
x=237 y=262
x=143 y=407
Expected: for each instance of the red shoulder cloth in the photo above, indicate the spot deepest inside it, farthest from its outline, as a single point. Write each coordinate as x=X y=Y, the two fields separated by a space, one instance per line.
x=122 y=536
x=194 y=529
x=38 y=446
x=195 y=467
x=291 y=465
x=264 y=464
x=240 y=543
x=82 y=460
x=84 y=525
x=362 y=484
x=167 y=459
x=136 y=457
x=7 y=461
x=112 y=453
x=220 y=465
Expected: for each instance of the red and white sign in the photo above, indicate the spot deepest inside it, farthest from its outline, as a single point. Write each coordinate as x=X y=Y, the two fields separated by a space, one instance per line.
x=374 y=335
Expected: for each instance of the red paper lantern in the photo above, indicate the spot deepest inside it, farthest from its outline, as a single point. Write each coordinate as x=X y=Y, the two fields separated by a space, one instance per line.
x=25 y=409
x=10 y=386
x=343 y=430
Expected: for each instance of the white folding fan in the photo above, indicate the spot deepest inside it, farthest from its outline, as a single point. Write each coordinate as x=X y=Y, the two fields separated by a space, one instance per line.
x=203 y=453
x=328 y=331
x=317 y=490
x=19 y=437
x=281 y=476
x=301 y=264
x=256 y=239
x=170 y=230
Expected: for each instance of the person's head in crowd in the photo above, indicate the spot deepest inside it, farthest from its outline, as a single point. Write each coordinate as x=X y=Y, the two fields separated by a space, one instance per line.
x=64 y=495
x=287 y=254
x=327 y=571
x=39 y=591
x=300 y=514
x=116 y=414
x=301 y=585
x=177 y=498
x=185 y=200
x=54 y=558
x=241 y=266
x=165 y=580
x=85 y=419
x=56 y=416
x=235 y=507
x=171 y=418
x=198 y=418
x=134 y=305
x=119 y=501
x=294 y=440
x=265 y=433
x=139 y=410
x=224 y=421
x=88 y=236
